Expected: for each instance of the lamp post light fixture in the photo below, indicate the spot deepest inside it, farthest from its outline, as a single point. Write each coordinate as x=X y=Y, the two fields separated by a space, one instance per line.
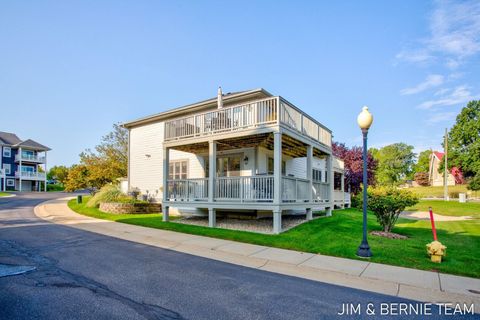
x=364 y=121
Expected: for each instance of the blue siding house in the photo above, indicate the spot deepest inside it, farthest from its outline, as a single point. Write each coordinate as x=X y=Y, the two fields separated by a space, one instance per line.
x=21 y=162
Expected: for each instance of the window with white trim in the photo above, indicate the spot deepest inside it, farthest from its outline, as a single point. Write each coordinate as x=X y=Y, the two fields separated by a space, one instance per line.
x=317 y=175
x=7 y=168
x=10 y=183
x=178 y=169
x=7 y=152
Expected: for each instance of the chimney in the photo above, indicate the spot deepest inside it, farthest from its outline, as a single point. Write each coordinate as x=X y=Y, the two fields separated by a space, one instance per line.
x=220 y=98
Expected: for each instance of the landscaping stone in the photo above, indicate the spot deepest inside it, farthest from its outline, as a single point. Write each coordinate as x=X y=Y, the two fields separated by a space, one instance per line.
x=130 y=208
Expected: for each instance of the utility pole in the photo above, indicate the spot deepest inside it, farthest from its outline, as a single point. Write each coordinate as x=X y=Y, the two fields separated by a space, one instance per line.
x=445 y=171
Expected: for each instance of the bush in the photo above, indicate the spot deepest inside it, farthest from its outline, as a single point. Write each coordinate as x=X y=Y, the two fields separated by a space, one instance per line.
x=387 y=203
x=55 y=187
x=421 y=178
x=474 y=183
x=108 y=193
x=454 y=195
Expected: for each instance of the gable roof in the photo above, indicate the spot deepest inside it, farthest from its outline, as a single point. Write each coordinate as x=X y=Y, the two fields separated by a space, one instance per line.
x=439 y=154
x=198 y=106
x=9 y=138
x=29 y=143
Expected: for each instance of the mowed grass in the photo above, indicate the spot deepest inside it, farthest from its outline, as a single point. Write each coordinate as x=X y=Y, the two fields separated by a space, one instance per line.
x=437 y=192
x=340 y=236
x=449 y=208
x=4 y=194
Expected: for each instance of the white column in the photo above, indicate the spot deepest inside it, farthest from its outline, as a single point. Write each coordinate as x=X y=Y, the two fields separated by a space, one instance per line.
x=330 y=184
x=166 y=166
x=45 y=181
x=20 y=169
x=277 y=168
x=277 y=221
x=212 y=160
x=342 y=182
x=310 y=181
x=212 y=218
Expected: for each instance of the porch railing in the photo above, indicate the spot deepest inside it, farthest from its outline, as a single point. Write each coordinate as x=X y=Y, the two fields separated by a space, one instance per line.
x=30 y=175
x=226 y=119
x=31 y=158
x=320 y=191
x=247 y=115
x=188 y=189
x=247 y=189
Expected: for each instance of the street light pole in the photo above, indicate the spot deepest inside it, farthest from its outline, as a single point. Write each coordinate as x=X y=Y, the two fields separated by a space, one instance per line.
x=364 y=120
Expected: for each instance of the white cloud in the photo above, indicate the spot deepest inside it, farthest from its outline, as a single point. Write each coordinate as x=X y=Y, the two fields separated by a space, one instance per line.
x=441 y=117
x=460 y=94
x=433 y=80
x=454 y=34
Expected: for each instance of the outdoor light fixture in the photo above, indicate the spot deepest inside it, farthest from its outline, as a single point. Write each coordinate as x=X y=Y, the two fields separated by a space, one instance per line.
x=245 y=160
x=364 y=121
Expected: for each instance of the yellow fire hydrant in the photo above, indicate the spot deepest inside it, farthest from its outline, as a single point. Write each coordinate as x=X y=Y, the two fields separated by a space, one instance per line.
x=436 y=250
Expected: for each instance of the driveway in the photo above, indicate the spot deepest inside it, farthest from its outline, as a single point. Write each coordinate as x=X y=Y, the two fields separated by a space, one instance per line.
x=82 y=275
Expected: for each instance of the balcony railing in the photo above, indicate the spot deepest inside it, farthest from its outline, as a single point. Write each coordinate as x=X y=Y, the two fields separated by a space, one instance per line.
x=30 y=158
x=246 y=189
x=245 y=116
x=27 y=175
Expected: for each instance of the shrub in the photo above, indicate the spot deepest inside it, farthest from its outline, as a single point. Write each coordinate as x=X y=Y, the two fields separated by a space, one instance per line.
x=421 y=178
x=55 y=187
x=387 y=203
x=108 y=193
x=454 y=194
x=474 y=183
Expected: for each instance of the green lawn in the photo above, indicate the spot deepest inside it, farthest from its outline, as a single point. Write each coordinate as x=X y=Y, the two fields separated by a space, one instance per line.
x=341 y=234
x=4 y=194
x=437 y=192
x=449 y=208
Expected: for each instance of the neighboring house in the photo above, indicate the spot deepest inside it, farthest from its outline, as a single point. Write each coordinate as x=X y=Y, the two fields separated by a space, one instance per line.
x=435 y=177
x=246 y=152
x=20 y=163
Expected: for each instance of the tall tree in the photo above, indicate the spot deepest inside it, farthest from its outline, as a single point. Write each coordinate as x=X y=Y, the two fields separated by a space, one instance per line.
x=353 y=160
x=395 y=163
x=59 y=173
x=464 y=141
x=423 y=162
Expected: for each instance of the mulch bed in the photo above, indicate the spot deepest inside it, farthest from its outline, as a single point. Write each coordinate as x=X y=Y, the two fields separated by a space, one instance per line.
x=389 y=235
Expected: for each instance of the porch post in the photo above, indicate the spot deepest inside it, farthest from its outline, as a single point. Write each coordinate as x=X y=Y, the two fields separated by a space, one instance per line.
x=342 y=186
x=166 y=167
x=330 y=184
x=212 y=160
x=45 y=179
x=277 y=168
x=309 y=178
x=20 y=169
x=277 y=221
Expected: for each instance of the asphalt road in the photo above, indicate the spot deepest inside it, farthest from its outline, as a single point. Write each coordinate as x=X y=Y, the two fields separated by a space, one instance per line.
x=83 y=275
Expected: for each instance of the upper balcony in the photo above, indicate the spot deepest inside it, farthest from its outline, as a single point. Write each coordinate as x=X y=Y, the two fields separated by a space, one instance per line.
x=30 y=158
x=29 y=175
x=249 y=115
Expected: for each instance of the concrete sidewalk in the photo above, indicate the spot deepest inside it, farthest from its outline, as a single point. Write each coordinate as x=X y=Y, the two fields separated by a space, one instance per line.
x=396 y=281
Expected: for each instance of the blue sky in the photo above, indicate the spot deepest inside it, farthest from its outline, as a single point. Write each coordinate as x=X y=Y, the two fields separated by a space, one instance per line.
x=70 y=69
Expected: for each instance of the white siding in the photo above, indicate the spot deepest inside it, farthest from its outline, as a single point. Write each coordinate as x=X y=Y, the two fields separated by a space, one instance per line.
x=298 y=166
x=195 y=163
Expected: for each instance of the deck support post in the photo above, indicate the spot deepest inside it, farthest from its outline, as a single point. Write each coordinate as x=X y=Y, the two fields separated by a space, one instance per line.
x=166 y=168
x=309 y=214
x=165 y=213
x=212 y=161
x=44 y=180
x=328 y=212
x=277 y=168
x=20 y=169
x=212 y=218
x=330 y=184
x=310 y=172
x=277 y=221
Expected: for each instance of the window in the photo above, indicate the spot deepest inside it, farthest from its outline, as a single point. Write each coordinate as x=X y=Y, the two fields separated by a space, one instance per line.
x=271 y=166
x=7 y=152
x=178 y=170
x=28 y=169
x=27 y=154
x=6 y=167
x=229 y=166
x=337 y=181
x=10 y=183
x=317 y=175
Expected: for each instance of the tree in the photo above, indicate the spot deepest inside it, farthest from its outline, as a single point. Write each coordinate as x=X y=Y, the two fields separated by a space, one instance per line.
x=59 y=173
x=110 y=159
x=464 y=141
x=421 y=178
x=77 y=178
x=423 y=162
x=387 y=203
x=474 y=183
x=395 y=163
x=353 y=160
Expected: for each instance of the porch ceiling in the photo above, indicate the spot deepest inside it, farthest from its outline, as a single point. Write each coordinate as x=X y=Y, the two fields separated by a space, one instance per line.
x=290 y=146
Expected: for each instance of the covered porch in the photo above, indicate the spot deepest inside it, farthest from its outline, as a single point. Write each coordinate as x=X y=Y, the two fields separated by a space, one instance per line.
x=264 y=171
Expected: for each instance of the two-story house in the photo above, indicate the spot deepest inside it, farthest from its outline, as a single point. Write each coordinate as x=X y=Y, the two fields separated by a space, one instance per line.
x=22 y=164
x=245 y=151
